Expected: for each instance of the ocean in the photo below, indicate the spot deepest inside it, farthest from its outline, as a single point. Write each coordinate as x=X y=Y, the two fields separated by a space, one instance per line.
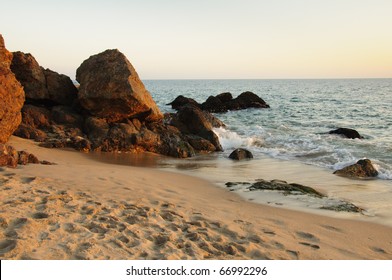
x=301 y=113
x=290 y=140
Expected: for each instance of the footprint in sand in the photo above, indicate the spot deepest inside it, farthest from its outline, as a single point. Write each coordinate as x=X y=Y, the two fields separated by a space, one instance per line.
x=27 y=180
x=7 y=246
x=313 y=246
x=40 y=215
x=378 y=250
x=308 y=236
x=269 y=232
x=18 y=222
x=332 y=228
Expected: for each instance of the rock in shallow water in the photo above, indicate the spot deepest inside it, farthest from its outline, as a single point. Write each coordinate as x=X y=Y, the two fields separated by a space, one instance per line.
x=362 y=169
x=240 y=154
x=347 y=132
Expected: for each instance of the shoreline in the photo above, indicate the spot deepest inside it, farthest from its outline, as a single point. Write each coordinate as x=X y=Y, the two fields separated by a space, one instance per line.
x=85 y=209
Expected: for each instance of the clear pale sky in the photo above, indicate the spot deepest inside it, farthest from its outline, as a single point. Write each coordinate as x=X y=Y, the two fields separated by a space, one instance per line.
x=208 y=39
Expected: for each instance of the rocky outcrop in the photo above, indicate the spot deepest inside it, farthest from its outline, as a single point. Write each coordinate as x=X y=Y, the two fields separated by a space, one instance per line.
x=222 y=102
x=111 y=89
x=114 y=112
x=12 y=96
x=241 y=154
x=347 y=132
x=362 y=169
x=42 y=86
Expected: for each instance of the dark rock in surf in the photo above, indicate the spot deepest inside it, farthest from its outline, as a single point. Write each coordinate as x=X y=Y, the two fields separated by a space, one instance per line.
x=283 y=186
x=191 y=120
x=240 y=154
x=181 y=101
x=347 y=132
x=362 y=169
x=247 y=100
x=222 y=102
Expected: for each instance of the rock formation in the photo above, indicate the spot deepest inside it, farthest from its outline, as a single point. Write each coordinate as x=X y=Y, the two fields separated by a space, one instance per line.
x=347 y=132
x=11 y=96
x=111 y=89
x=222 y=102
x=114 y=112
x=362 y=169
x=42 y=85
x=240 y=154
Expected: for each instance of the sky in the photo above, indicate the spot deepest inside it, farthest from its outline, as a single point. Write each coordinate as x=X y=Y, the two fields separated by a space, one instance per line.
x=208 y=39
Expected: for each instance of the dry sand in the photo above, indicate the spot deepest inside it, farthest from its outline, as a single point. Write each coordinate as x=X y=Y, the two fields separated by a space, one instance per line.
x=84 y=209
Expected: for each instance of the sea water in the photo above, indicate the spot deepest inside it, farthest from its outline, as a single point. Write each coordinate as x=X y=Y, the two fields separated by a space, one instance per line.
x=290 y=140
x=301 y=115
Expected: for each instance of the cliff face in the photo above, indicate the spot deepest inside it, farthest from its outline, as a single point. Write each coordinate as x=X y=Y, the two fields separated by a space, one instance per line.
x=12 y=96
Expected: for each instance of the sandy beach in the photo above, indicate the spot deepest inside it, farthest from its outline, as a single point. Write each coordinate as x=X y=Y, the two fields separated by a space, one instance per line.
x=85 y=209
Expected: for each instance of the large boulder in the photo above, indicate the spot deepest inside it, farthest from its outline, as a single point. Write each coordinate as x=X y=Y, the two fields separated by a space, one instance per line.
x=110 y=88
x=42 y=86
x=192 y=120
x=30 y=75
x=362 y=169
x=347 y=132
x=12 y=96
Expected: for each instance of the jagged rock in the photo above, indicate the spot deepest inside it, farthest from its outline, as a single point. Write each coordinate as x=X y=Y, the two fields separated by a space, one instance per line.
x=225 y=97
x=42 y=86
x=97 y=130
x=66 y=115
x=246 y=100
x=110 y=88
x=222 y=102
x=191 y=120
x=240 y=154
x=12 y=96
x=61 y=89
x=8 y=156
x=347 y=132
x=25 y=158
x=362 y=169
x=36 y=117
x=28 y=132
x=214 y=105
x=181 y=101
x=30 y=75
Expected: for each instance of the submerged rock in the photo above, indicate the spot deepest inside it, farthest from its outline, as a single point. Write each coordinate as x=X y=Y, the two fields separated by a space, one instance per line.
x=110 y=88
x=347 y=132
x=362 y=169
x=240 y=154
x=286 y=188
x=12 y=96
